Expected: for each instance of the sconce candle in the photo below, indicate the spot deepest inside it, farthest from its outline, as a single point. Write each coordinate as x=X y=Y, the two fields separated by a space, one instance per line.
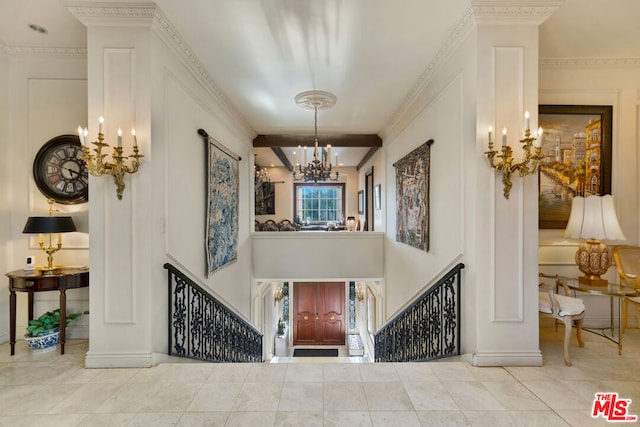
x=81 y=135
x=490 y=130
x=526 y=120
x=98 y=166
x=505 y=162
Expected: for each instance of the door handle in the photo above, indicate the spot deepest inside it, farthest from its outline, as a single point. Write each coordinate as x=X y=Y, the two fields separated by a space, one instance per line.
x=306 y=317
x=332 y=318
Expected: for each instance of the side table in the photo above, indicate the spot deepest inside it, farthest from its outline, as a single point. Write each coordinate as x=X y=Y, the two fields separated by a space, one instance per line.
x=612 y=290
x=34 y=281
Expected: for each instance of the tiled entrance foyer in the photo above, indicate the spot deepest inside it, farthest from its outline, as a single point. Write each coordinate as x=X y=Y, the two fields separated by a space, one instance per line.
x=53 y=390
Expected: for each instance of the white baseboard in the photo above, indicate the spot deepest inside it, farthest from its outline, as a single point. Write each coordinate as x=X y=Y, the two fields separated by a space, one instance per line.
x=119 y=360
x=507 y=358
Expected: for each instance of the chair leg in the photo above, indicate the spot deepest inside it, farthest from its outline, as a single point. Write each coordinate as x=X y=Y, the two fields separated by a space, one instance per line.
x=623 y=315
x=567 y=338
x=579 y=332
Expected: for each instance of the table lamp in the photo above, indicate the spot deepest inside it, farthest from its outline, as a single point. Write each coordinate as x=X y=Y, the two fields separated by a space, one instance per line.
x=593 y=218
x=49 y=224
x=351 y=223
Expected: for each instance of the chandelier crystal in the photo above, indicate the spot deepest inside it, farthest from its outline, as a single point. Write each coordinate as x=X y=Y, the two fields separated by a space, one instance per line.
x=320 y=168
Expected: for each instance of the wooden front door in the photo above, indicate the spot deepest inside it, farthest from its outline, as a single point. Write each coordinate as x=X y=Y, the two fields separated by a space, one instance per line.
x=318 y=313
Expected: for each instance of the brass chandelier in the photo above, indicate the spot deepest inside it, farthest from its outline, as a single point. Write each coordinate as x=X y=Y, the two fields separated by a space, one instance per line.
x=320 y=168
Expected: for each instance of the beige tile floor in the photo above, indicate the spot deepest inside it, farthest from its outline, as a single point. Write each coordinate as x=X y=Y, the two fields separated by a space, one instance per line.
x=53 y=390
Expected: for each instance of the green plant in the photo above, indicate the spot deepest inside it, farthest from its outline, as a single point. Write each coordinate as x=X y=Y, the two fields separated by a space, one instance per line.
x=49 y=320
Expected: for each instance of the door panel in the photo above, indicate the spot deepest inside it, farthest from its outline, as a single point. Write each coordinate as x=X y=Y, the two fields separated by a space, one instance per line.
x=305 y=303
x=332 y=313
x=319 y=313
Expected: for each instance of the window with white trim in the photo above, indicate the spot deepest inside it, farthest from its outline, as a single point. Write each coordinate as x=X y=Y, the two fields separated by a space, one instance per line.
x=319 y=203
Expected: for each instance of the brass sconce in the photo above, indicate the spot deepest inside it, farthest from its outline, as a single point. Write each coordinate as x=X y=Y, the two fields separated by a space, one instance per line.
x=528 y=165
x=279 y=294
x=360 y=292
x=96 y=164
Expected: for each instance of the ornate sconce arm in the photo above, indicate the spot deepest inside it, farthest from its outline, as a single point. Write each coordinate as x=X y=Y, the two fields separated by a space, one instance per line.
x=97 y=166
x=528 y=165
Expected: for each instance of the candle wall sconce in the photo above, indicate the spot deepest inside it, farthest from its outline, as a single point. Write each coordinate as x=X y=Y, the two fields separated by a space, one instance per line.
x=505 y=161
x=118 y=168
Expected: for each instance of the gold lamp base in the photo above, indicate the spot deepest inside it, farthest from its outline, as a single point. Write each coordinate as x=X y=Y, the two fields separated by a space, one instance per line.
x=593 y=280
x=593 y=259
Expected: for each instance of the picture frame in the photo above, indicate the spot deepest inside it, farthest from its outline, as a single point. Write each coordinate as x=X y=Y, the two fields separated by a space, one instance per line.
x=576 y=145
x=377 y=190
x=361 y=202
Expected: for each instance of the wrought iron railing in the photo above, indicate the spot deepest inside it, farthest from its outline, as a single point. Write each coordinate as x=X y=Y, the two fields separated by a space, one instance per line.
x=201 y=327
x=428 y=329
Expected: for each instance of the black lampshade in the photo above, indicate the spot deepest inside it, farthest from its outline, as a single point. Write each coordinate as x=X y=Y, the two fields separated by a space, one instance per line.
x=49 y=224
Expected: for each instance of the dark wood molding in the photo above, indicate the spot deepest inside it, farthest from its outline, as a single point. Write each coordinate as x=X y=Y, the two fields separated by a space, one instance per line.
x=366 y=157
x=356 y=140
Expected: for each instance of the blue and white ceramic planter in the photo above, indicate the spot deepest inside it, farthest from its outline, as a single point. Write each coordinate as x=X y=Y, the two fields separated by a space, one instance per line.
x=44 y=341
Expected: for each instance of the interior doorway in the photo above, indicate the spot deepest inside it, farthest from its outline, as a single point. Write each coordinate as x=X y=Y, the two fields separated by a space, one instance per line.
x=368 y=200
x=318 y=313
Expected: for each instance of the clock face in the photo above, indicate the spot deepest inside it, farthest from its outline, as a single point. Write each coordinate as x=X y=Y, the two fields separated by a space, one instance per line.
x=59 y=172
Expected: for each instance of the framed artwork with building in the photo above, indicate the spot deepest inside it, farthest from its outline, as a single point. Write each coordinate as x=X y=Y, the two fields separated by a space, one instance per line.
x=576 y=145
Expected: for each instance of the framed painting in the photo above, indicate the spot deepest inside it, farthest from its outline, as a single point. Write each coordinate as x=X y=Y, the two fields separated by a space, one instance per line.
x=376 y=197
x=265 y=200
x=576 y=145
x=412 y=197
x=361 y=202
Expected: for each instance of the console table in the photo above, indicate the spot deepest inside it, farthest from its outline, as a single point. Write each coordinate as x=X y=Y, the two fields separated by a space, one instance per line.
x=34 y=281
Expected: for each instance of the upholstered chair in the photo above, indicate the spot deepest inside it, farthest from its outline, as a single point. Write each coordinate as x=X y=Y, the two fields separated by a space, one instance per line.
x=565 y=308
x=627 y=259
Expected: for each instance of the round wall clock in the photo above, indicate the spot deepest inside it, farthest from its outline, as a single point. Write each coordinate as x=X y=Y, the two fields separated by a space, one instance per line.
x=59 y=172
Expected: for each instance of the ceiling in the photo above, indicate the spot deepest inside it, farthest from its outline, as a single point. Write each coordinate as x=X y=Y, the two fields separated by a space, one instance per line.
x=261 y=53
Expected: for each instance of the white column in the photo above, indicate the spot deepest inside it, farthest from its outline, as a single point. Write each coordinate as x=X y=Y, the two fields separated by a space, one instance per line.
x=118 y=88
x=507 y=246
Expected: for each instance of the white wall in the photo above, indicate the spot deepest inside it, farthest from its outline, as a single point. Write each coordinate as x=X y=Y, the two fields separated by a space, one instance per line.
x=181 y=106
x=439 y=114
x=576 y=83
x=6 y=192
x=47 y=97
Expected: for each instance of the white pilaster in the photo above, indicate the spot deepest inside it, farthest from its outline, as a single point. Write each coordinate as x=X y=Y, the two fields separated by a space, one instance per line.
x=119 y=67
x=507 y=292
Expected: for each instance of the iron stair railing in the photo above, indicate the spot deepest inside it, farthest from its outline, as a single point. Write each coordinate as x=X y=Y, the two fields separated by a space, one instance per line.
x=201 y=327
x=426 y=330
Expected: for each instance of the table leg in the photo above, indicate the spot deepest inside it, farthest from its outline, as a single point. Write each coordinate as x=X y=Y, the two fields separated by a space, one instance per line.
x=30 y=298
x=12 y=321
x=619 y=325
x=63 y=318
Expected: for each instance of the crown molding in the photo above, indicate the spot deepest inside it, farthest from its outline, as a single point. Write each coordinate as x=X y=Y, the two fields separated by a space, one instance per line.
x=574 y=63
x=149 y=14
x=44 y=51
x=455 y=38
x=514 y=12
x=112 y=14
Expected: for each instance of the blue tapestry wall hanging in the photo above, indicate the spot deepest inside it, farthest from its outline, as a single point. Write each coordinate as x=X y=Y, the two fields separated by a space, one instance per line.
x=222 y=206
x=412 y=197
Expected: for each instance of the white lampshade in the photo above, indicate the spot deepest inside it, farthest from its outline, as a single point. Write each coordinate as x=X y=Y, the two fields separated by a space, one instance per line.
x=593 y=217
